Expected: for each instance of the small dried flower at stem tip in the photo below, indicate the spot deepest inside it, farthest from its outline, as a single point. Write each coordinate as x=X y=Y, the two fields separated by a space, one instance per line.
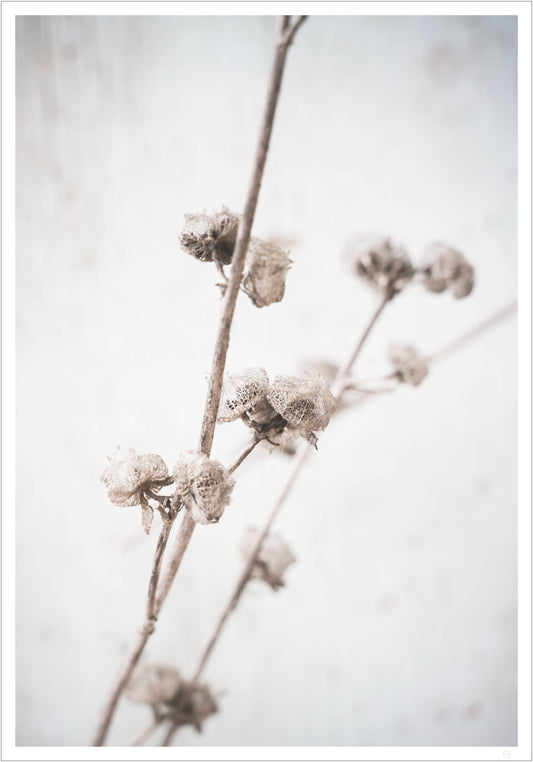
x=204 y=486
x=411 y=367
x=241 y=392
x=382 y=264
x=273 y=559
x=306 y=404
x=210 y=237
x=265 y=271
x=444 y=269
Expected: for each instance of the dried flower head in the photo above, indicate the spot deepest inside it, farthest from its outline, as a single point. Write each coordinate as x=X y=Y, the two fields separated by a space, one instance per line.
x=381 y=264
x=204 y=486
x=273 y=559
x=241 y=392
x=306 y=404
x=265 y=270
x=210 y=237
x=411 y=367
x=193 y=705
x=154 y=684
x=445 y=268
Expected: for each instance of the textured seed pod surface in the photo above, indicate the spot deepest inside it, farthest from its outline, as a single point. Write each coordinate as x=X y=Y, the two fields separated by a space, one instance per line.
x=412 y=367
x=445 y=268
x=154 y=684
x=241 y=392
x=265 y=271
x=304 y=403
x=273 y=559
x=209 y=236
x=204 y=486
x=128 y=476
x=380 y=263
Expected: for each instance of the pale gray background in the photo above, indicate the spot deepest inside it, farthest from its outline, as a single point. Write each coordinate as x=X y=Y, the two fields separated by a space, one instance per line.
x=398 y=624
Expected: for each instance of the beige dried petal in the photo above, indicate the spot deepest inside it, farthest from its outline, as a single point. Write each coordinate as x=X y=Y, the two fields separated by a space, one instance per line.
x=154 y=684
x=209 y=236
x=128 y=476
x=241 y=392
x=306 y=403
x=204 y=486
x=411 y=367
x=273 y=559
x=379 y=262
x=265 y=271
x=445 y=268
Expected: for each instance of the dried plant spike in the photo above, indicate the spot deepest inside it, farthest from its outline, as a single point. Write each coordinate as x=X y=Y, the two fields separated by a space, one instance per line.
x=210 y=237
x=265 y=271
x=307 y=403
x=241 y=392
x=154 y=684
x=383 y=265
x=411 y=367
x=128 y=477
x=273 y=559
x=446 y=268
x=203 y=485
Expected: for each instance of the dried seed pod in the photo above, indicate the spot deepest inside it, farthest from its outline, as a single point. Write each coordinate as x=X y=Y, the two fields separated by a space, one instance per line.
x=273 y=559
x=380 y=263
x=241 y=392
x=261 y=416
x=411 y=367
x=193 y=705
x=306 y=404
x=204 y=486
x=154 y=684
x=129 y=476
x=265 y=271
x=445 y=268
x=210 y=237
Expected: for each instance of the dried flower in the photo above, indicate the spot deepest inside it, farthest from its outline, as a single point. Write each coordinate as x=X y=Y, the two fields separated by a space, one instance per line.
x=273 y=559
x=193 y=705
x=241 y=392
x=381 y=264
x=307 y=404
x=411 y=367
x=265 y=270
x=204 y=486
x=210 y=237
x=446 y=268
x=129 y=477
x=154 y=684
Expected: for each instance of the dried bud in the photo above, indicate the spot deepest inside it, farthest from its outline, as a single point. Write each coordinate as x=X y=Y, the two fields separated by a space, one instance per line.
x=445 y=268
x=411 y=367
x=154 y=684
x=193 y=705
x=204 y=486
x=265 y=271
x=306 y=404
x=209 y=237
x=273 y=559
x=241 y=392
x=129 y=476
x=381 y=264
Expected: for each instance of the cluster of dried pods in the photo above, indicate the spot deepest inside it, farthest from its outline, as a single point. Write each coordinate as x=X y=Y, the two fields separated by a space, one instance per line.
x=278 y=412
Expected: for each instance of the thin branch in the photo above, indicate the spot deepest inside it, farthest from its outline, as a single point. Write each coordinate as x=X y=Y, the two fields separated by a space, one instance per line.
x=292 y=30
x=244 y=454
x=147 y=732
x=216 y=376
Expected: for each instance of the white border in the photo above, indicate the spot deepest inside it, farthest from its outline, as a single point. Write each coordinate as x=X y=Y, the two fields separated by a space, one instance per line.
x=9 y=12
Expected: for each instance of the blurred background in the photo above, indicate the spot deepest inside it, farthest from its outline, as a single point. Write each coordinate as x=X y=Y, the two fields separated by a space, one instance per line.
x=398 y=622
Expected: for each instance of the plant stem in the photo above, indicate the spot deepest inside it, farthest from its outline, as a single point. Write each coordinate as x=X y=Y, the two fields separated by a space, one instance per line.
x=244 y=454
x=187 y=525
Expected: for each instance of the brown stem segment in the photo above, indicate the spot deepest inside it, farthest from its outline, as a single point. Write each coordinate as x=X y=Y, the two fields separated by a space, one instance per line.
x=217 y=370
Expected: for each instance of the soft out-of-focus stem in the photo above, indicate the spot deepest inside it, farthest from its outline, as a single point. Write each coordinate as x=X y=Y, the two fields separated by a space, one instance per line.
x=187 y=526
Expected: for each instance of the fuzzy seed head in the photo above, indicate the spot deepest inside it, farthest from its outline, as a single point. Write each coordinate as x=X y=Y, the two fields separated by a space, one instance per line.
x=380 y=263
x=241 y=392
x=306 y=404
x=273 y=559
x=154 y=684
x=209 y=236
x=204 y=486
x=128 y=476
x=446 y=269
x=265 y=271
x=411 y=367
